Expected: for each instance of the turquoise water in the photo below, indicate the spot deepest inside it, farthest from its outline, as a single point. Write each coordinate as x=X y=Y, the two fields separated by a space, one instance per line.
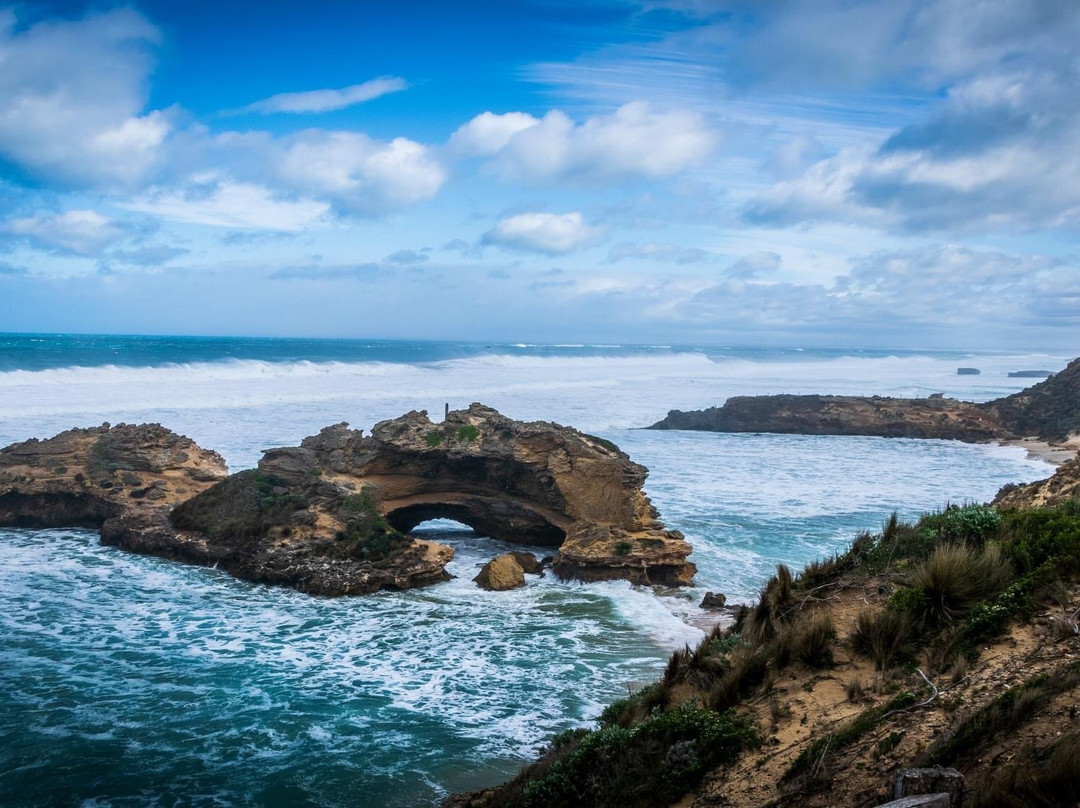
x=126 y=680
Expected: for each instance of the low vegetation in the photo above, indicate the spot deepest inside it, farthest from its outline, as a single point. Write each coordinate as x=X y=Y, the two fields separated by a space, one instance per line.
x=936 y=592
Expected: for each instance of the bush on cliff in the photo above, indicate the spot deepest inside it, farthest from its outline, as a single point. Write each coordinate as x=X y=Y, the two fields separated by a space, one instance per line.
x=654 y=762
x=240 y=508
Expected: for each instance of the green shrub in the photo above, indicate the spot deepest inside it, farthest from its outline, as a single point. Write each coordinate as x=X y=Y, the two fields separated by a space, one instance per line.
x=623 y=547
x=652 y=763
x=970 y=523
x=468 y=433
x=435 y=438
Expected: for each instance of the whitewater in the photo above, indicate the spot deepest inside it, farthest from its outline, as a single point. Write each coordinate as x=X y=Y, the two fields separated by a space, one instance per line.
x=126 y=680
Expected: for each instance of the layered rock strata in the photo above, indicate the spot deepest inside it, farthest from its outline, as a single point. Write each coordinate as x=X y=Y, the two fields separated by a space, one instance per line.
x=332 y=515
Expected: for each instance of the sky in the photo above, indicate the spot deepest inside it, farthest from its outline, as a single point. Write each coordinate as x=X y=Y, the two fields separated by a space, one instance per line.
x=855 y=173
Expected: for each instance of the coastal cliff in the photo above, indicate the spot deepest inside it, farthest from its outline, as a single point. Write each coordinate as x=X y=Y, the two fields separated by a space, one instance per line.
x=950 y=646
x=332 y=516
x=1048 y=411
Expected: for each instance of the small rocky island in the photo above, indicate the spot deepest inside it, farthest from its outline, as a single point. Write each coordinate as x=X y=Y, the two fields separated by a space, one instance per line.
x=332 y=516
x=1049 y=411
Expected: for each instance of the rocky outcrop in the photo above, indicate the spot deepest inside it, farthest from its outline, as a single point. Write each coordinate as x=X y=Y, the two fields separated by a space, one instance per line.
x=844 y=415
x=1064 y=485
x=501 y=573
x=84 y=477
x=332 y=515
x=1049 y=411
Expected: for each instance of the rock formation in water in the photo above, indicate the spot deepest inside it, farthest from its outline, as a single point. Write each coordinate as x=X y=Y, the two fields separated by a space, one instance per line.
x=501 y=573
x=332 y=515
x=1049 y=411
x=84 y=477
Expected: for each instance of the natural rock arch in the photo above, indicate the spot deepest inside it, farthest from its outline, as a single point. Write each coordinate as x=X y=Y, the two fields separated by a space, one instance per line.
x=332 y=515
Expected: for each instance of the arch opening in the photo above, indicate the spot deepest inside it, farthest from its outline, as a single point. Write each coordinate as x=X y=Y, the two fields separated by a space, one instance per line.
x=500 y=521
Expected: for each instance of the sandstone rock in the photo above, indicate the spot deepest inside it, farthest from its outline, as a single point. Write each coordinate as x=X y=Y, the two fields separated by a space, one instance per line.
x=1063 y=486
x=331 y=516
x=934 y=780
x=527 y=562
x=82 y=477
x=714 y=601
x=501 y=573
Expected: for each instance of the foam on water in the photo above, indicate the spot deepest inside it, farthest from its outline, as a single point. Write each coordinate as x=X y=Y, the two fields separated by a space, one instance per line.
x=124 y=677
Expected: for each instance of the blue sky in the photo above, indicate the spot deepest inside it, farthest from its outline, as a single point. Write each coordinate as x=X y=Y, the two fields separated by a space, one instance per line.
x=883 y=173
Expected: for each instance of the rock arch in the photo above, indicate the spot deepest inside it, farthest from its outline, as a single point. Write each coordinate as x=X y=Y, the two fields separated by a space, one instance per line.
x=332 y=515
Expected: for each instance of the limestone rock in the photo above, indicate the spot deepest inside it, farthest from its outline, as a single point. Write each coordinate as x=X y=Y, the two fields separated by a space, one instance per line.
x=920 y=801
x=501 y=573
x=528 y=562
x=714 y=601
x=332 y=515
x=1063 y=486
x=83 y=477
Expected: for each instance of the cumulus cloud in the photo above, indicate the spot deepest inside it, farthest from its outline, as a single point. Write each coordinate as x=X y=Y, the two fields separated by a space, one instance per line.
x=221 y=202
x=635 y=140
x=78 y=232
x=329 y=100
x=550 y=233
x=72 y=94
x=653 y=251
x=360 y=174
x=487 y=133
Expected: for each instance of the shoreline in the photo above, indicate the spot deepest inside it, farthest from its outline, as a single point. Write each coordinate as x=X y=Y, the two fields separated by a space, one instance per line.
x=1053 y=453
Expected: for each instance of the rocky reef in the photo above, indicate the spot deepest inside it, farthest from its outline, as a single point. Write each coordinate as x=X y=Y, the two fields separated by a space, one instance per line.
x=332 y=516
x=1049 y=411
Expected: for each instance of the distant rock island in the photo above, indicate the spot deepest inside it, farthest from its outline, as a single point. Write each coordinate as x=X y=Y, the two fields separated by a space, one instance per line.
x=1048 y=411
x=332 y=515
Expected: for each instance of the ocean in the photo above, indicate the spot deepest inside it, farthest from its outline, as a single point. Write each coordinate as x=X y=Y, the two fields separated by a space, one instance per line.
x=127 y=680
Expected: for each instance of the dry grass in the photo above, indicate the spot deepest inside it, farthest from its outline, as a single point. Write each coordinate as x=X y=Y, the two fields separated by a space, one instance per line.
x=814 y=636
x=884 y=635
x=955 y=577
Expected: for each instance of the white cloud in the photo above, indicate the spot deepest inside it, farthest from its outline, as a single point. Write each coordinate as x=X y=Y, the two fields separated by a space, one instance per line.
x=72 y=95
x=635 y=140
x=224 y=203
x=329 y=100
x=551 y=233
x=360 y=174
x=83 y=232
x=487 y=132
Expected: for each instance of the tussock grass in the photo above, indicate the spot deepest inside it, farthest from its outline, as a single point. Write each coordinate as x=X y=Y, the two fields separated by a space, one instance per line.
x=884 y=635
x=814 y=636
x=955 y=577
